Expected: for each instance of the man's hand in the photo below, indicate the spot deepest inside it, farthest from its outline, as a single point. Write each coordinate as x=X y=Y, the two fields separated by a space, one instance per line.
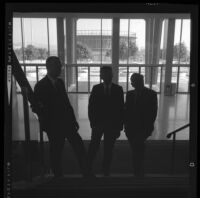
x=77 y=126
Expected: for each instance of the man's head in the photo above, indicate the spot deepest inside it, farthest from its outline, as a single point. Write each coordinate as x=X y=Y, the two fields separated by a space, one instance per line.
x=106 y=74
x=137 y=80
x=53 y=66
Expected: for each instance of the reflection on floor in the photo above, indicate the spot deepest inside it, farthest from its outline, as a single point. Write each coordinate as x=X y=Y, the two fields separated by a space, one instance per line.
x=173 y=112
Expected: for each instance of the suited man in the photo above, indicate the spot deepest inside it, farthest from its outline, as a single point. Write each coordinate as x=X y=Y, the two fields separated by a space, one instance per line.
x=105 y=111
x=140 y=115
x=57 y=117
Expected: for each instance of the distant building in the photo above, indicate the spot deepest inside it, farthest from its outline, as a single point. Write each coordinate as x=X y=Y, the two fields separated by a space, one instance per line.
x=94 y=40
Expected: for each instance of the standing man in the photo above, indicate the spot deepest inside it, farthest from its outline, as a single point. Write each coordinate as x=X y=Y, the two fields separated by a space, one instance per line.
x=106 y=117
x=57 y=117
x=140 y=115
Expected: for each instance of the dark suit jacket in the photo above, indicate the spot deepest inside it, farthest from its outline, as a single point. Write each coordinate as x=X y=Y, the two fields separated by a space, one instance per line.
x=57 y=113
x=140 y=115
x=106 y=111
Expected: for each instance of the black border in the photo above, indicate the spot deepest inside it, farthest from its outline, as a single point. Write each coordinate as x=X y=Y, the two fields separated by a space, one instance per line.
x=192 y=9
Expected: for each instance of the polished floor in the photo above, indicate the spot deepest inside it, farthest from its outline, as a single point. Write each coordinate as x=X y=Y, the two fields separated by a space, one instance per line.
x=173 y=112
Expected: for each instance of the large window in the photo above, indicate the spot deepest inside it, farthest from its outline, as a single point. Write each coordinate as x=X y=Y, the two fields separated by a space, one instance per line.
x=94 y=41
x=132 y=41
x=34 y=39
x=181 y=50
x=131 y=49
x=181 y=55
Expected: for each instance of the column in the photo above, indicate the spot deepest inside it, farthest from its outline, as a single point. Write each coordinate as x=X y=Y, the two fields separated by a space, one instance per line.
x=115 y=50
x=60 y=41
x=169 y=52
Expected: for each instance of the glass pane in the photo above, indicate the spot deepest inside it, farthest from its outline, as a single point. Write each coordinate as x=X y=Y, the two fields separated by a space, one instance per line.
x=156 y=79
x=185 y=52
x=183 y=79
x=106 y=40
x=71 y=78
x=174 y=74
x=41 y=72
x=163 y=43
x=88 y=41
x=53 y=50
x=35 y=40
x=131 y=71
x=83 y=79
x=31 y=75
x=17 y=39
x=65 y=40
x=181 y=51
x=137 y=41
x=82 y=112
x=123 y=78
x=94 y=76
x=145 y=71
x=18 y=88
x=123 y=41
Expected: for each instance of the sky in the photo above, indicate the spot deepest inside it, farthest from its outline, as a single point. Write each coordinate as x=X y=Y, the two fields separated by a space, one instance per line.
x=36 y=30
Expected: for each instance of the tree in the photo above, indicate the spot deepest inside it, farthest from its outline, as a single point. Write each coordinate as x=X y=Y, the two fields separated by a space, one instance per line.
x=180 y=50
x=42 y=53
x=132 y=49
x=30 y=52
x=123 y=50
x=82 y=51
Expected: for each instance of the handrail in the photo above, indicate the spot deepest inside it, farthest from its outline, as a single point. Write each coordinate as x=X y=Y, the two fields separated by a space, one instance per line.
x=177 y=130
x=173 y=133
x=28 y=96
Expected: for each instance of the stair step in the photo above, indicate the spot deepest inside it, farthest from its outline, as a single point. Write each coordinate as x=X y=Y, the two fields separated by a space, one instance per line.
x=117 y=180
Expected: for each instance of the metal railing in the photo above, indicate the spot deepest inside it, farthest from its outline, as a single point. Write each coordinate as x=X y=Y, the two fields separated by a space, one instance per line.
x=28 y=96
x=82 y=76
x=173 y=134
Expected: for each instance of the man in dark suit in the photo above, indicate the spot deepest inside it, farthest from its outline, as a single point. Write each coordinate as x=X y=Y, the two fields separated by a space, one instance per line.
x=140 y=115
x=57 y=117
x=105 y=113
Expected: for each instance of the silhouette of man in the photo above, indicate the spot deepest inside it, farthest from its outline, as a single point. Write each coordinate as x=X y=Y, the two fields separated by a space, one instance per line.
x=57 y=117
x=139 y=118
x=105 y=111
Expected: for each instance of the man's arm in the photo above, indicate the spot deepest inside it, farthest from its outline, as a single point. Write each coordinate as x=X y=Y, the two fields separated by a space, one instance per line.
x=39 y=96
x=91 y=107
x=40 y=108
x=155 y=106
x=126 y=110
x=121 y=106
x=70 y=108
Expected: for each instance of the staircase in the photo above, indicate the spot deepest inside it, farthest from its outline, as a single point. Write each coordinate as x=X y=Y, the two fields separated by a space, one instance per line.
x=114 y=186
x=158 y=182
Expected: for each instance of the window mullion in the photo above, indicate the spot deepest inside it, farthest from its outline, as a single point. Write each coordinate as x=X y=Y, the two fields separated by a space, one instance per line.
x=101 y=40
x=128 y=41
x=178 y=73
x=115 y=49
x=48 y=37
x=169 y=50
x=22 y=29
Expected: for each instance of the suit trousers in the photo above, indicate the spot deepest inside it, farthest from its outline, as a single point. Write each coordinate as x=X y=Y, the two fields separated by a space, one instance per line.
x=56 y=148
x=137 y=145
x=109 y=141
